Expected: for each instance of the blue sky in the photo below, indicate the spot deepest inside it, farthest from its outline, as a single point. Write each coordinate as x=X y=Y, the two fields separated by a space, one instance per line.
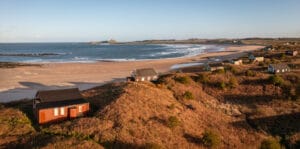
x=90 y=20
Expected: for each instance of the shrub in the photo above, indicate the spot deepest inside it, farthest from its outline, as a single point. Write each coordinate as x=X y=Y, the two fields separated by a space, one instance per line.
x=210 y=139
x=250 y=73
x=182 y=80
x=276 y=80
x=202 y=78
x=222 y=85
x=270 y=144
x=233 y=69
x=188 y=95
x=282 y=56
x=173 y=121
x=219 y=71
x=233 y=83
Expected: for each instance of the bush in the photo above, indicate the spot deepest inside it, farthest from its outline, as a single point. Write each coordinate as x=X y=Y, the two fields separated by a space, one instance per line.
x=219 y=71
x=250 y=73
x=270 y=144
x=202 y=78
x=282 y=56
x=233 y=69
x=276 y=80
x=182 y=80
x=173 y=121
x=188 y=95
x=233 y=83
x=222 y=85
x=210 y=139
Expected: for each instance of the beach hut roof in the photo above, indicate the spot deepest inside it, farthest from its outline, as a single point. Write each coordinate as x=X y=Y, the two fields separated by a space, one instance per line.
x=279 y=66
x=145 y=72
x=58 y=95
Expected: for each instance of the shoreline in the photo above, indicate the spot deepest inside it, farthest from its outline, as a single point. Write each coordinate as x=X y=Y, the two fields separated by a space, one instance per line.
x=23 y=82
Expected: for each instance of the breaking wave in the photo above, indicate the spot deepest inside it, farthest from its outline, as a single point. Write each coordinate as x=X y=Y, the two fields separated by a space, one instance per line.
x=67 y=52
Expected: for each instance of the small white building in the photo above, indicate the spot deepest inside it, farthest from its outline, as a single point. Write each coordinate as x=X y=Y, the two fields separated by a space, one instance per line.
x=237 y=61
x=144 y=74
x=213 y=66
x=268 y=48
x=259 y=59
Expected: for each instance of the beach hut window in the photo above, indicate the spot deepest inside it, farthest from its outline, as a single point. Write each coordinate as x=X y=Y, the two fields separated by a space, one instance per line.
x=80 y=109
x=62 y=111
x=55 y=111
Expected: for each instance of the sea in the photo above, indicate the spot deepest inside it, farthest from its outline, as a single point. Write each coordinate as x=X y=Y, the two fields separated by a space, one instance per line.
x=88 y=53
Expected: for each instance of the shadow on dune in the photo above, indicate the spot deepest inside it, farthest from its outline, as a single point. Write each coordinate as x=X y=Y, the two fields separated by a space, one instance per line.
x=255 y=82
x=248 y=99
x=281 y=125
x=121 y=145
x=193 y=139
x=259 y=69
x=101 y=96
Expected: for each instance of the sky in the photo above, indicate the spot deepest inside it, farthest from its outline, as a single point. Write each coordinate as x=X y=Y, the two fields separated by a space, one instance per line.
x=129 y=20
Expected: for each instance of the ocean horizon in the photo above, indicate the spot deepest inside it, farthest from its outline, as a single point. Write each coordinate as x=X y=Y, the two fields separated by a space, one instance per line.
x=85 y=52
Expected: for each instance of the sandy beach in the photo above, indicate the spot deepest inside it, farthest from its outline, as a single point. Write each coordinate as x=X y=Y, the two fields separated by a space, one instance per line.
x=23 y=82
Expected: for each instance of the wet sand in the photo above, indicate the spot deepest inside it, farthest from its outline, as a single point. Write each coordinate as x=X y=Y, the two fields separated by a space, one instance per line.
x=23 y=82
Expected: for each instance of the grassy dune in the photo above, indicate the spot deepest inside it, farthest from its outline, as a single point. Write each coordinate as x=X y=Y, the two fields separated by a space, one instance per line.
x=241 y=107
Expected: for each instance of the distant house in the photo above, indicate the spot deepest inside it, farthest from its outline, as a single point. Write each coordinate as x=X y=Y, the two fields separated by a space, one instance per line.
x=213 y=66
x=237 y=42
x=55 y=105
x=278 y=68
x=291 y=52
x=145 y=74
x=237 y=61
x=268 y=48
x=259 y=59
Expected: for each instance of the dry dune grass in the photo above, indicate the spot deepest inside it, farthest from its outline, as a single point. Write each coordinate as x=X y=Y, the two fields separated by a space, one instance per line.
x=13 y=125
x=140 y=114
x=174 y=112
